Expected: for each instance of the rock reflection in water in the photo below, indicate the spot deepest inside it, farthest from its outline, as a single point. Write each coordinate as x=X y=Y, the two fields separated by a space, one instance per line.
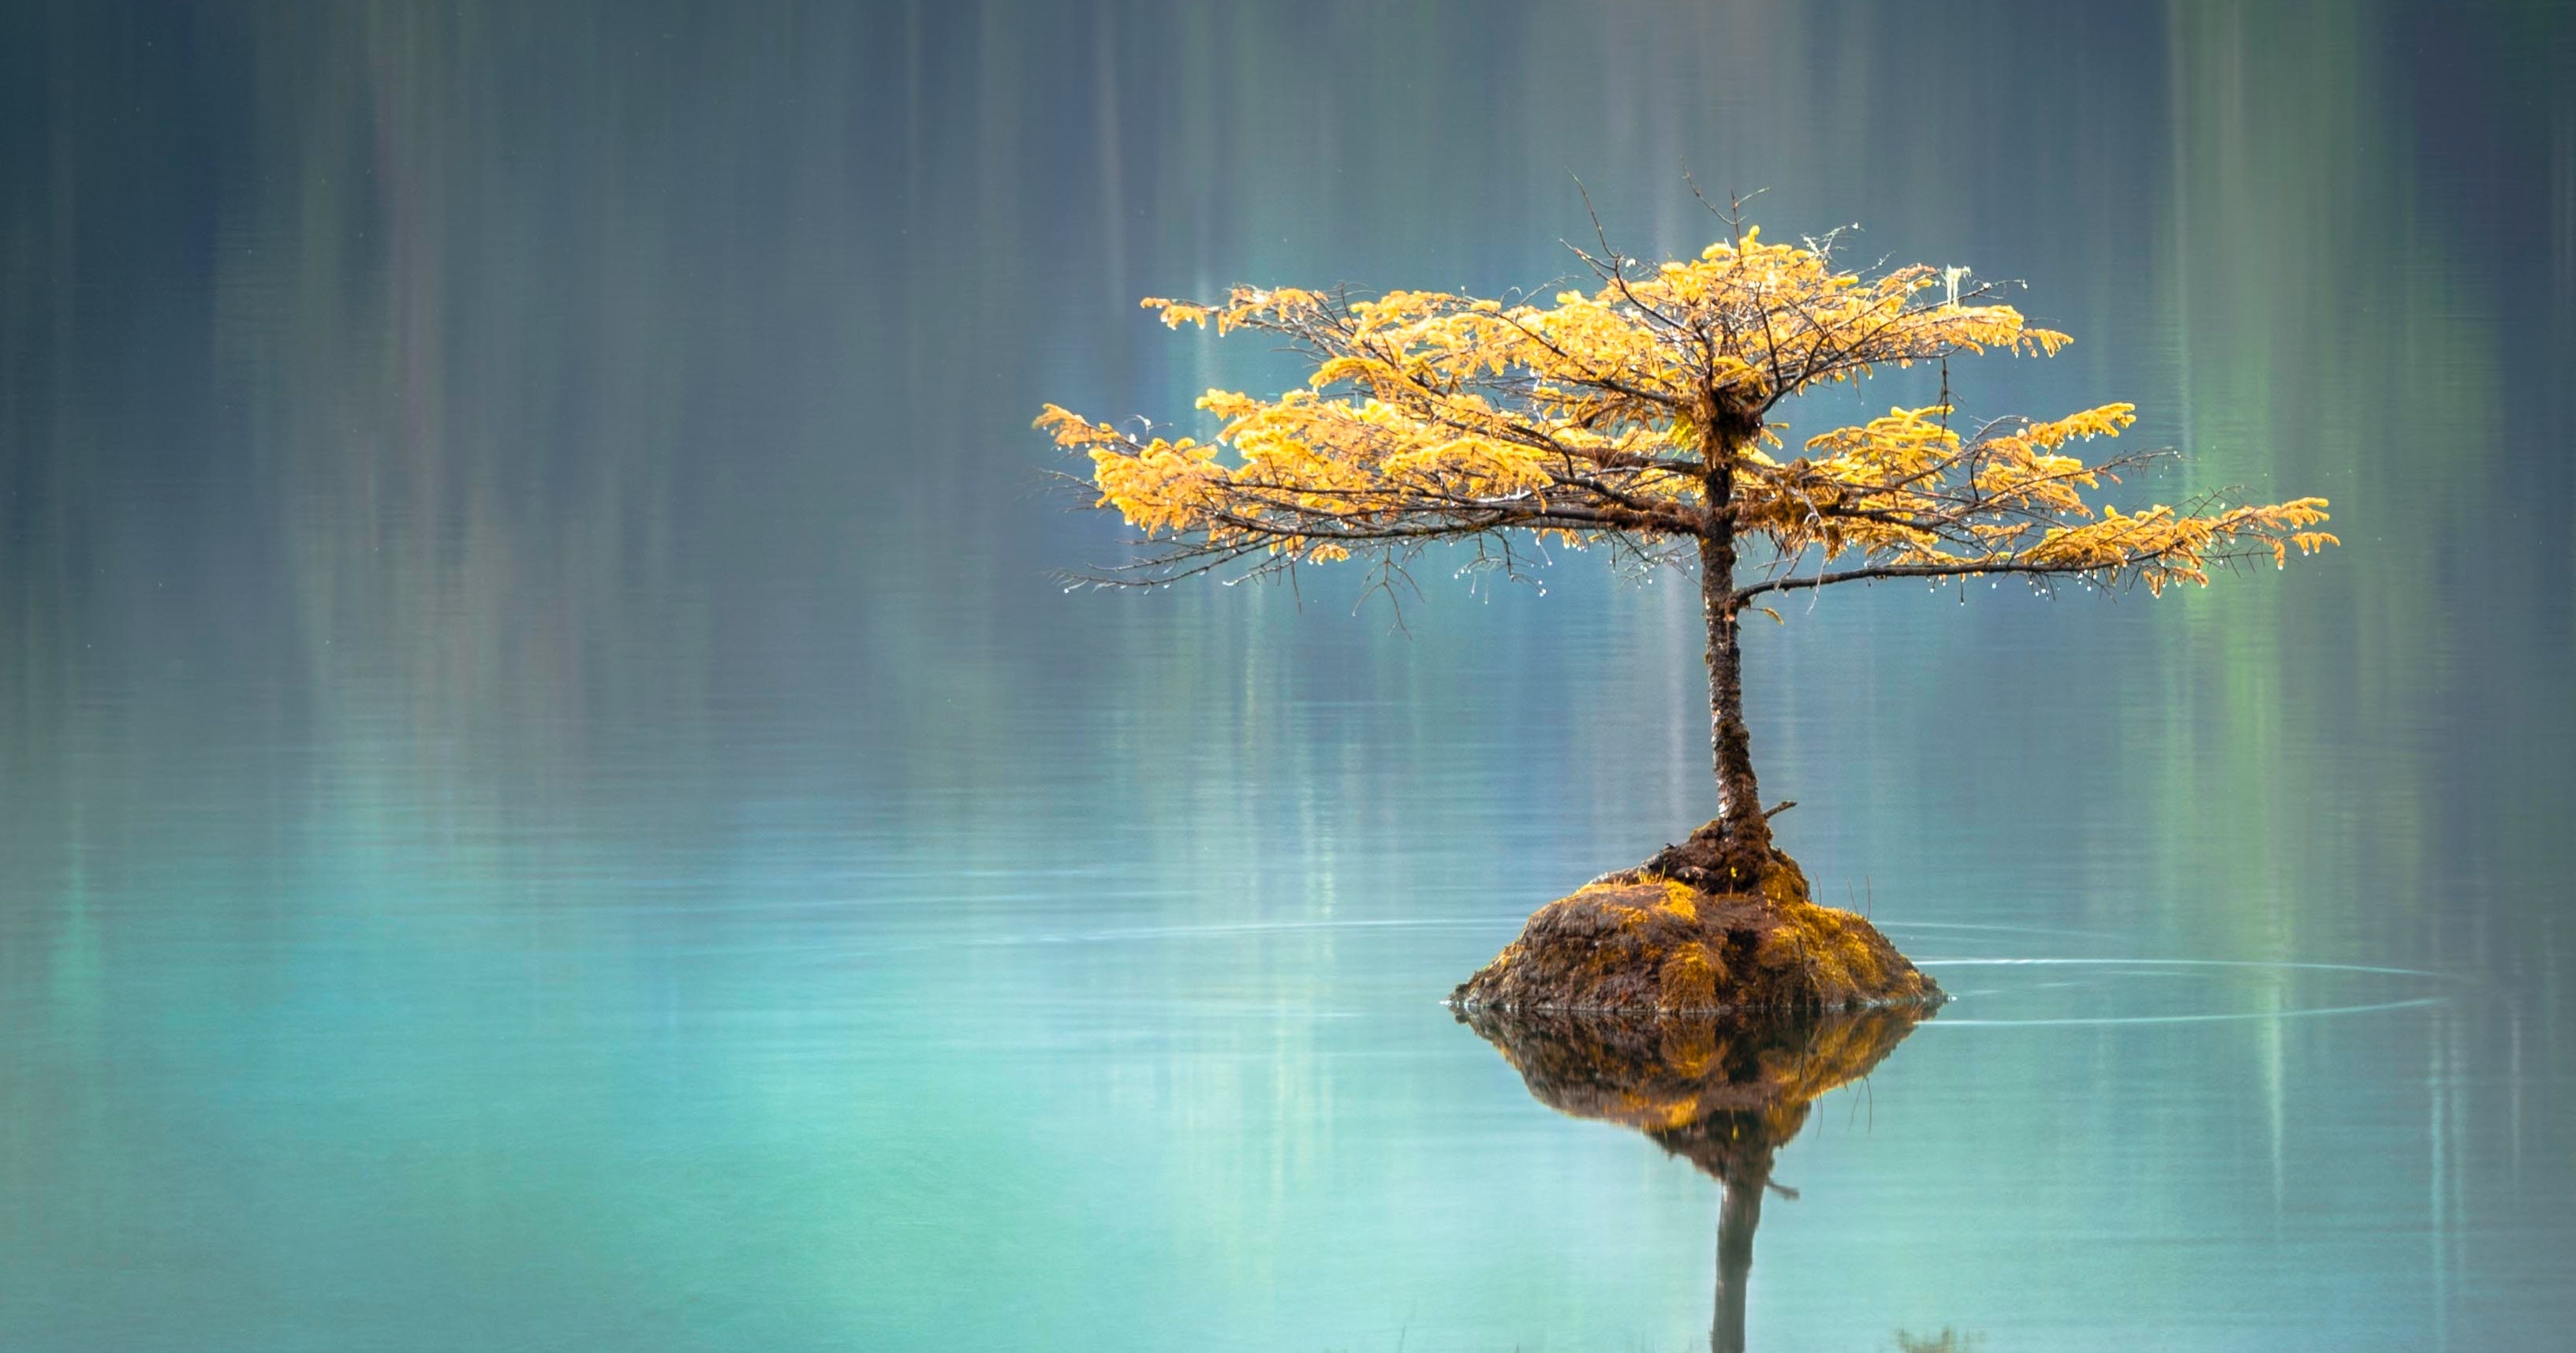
x=1724 y=1092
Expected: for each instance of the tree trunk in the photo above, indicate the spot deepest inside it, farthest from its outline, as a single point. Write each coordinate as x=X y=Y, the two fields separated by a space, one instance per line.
x=1739 y=823
x=1728 y=853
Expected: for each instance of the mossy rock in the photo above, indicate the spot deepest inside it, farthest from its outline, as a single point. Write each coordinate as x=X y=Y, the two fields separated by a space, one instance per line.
x=1635 y=943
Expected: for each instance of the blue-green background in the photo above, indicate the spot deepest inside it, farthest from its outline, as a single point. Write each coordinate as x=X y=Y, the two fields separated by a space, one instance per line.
x=549 y=799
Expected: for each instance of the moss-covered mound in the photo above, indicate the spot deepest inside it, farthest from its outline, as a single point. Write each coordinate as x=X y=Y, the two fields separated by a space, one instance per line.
x=1722 y=1091
x=1637 y=943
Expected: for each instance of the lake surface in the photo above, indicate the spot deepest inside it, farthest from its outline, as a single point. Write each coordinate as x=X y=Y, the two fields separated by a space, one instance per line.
x=550 y=797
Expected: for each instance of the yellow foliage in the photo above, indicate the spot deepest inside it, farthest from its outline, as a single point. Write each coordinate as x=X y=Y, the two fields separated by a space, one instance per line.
x=1640 y=411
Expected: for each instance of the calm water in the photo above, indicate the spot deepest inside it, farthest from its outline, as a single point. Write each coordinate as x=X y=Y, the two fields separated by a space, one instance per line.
x=548 y=798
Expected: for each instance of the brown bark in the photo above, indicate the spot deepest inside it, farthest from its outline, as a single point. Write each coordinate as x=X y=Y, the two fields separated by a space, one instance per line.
x=1728 y=852
x=1739 y=797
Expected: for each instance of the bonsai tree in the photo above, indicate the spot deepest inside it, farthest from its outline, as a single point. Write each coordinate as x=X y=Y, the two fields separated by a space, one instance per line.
x=1643 y=415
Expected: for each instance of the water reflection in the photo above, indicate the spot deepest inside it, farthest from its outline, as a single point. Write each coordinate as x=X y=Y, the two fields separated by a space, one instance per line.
x=1723 y=1093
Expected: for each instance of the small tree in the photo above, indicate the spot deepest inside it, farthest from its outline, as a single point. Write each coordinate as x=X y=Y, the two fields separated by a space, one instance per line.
x=1641 y=415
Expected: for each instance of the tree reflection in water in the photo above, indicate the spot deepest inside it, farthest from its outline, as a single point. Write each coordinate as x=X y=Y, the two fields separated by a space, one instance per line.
x=1723 y=1092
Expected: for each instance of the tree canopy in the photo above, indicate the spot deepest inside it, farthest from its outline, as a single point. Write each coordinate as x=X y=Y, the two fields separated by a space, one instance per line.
x=1642 y=414
x=1598 y=417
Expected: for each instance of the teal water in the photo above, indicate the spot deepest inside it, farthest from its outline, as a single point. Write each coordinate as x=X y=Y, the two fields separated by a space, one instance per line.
x=549 y=798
